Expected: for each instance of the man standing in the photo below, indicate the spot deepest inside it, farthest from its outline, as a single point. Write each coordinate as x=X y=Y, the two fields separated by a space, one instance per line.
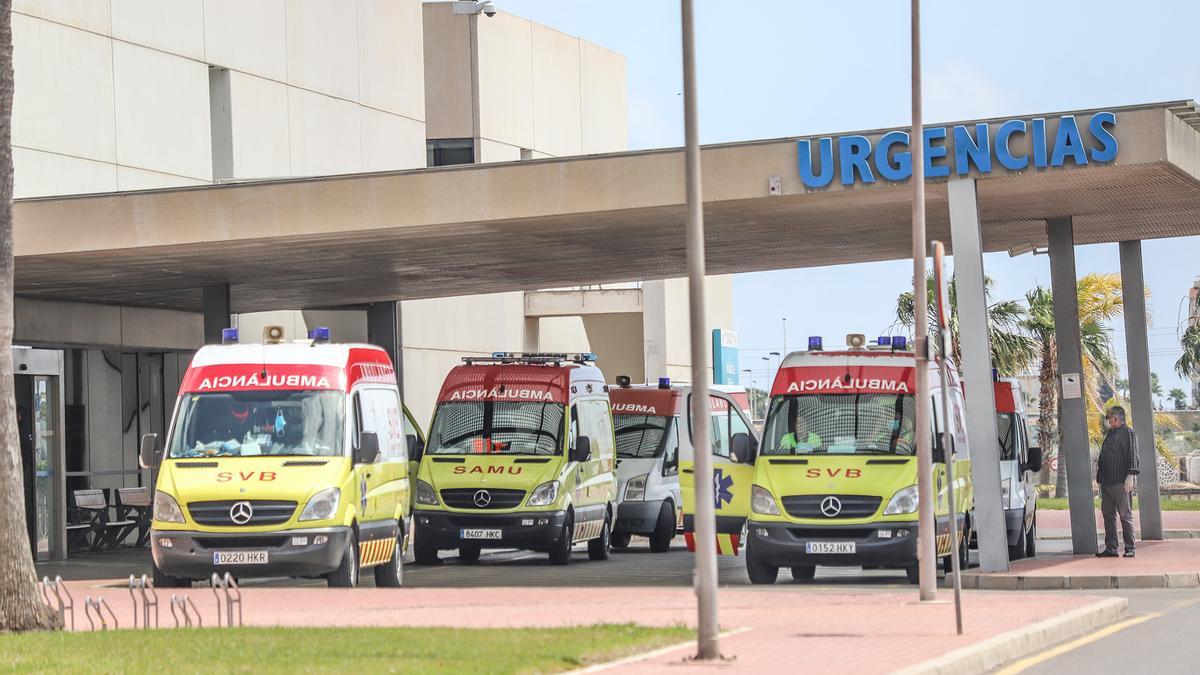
x=1115 y=470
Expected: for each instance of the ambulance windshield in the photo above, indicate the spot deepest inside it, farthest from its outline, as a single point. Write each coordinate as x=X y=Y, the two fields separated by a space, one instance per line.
x=874 y=424
x=1007 y=432
x=496 y=428
x=640 y=436
x=254 y=423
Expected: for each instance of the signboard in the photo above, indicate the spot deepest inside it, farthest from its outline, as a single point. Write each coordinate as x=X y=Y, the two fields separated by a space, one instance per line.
x=1014 y=144
x=725 y=357
x=1071 y=387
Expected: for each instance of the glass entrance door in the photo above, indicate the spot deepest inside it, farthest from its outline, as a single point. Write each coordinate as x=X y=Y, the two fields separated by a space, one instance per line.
x=45 y=452
x=37 y=385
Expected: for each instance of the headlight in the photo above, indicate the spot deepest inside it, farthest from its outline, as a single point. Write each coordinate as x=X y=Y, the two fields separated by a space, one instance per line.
x=761 y=501
x=635 y=489
x=1005 y=488
x=904 y=501
x=323 y=505
x=166 y=509
x=544 y=494
x=425 y=494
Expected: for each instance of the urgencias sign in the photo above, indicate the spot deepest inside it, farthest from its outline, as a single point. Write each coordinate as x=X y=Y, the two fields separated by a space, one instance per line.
x=1014 y=144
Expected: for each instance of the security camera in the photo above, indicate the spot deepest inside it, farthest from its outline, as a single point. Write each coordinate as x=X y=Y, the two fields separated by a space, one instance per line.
x=488 y=8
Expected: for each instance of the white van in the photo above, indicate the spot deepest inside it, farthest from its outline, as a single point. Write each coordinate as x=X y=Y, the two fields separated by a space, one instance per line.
x=1020 y=462
x=653 y=436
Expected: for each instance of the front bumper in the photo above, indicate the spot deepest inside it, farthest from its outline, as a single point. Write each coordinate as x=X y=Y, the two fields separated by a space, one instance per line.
x=190 y=555
x=784 y=544
x=638 y=517
x=535 y=530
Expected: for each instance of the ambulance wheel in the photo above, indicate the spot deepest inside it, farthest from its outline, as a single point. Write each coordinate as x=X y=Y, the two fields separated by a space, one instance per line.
x=468 y=553
x=913 y=573
x=664 y=530
x=600 y=548
x=760 y=571
x=964 y=547
x=804 y=572
x=391 y=573
x=620 y=540
x=424 y=553
x=1031 y=538
x=346 y=574
x=560 y=551
x=167 y=581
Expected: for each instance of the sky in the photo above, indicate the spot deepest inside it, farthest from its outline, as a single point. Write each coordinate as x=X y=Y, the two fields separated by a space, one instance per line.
x=777 y=69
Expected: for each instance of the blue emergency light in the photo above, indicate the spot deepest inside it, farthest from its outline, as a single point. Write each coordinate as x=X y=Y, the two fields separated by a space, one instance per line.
x=814 y=343
x=995 y=375
x=588 y=356
x=664 y=383
x=319 y=334
x=229 y=336
x=883 y=340
x=899 y=343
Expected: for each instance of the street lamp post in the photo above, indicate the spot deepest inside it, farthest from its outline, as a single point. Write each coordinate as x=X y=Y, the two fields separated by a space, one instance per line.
x=785 y=335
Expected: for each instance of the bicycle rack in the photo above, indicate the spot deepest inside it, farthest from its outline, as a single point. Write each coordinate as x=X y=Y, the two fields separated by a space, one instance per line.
x=59 y=589
x=232 y=595
x=100 y=606
x=188 y=609
x=149 y=599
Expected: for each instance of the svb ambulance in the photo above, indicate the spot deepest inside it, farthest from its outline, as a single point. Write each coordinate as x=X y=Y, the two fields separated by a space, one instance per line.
x=654 y=443
x=284 y=459
x=1020 y=462
x=835 y=480
x=521 y=455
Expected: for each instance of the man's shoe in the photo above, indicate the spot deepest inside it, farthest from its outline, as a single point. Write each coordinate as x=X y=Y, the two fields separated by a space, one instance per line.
x=1128 y=553
x=1107 y=554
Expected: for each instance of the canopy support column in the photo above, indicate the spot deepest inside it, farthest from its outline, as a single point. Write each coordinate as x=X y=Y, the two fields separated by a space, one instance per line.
x=1137 y=348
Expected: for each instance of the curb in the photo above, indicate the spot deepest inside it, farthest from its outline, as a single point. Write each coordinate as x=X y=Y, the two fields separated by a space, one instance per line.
x=993 y=652
x=1011 y=582
x=634 y=658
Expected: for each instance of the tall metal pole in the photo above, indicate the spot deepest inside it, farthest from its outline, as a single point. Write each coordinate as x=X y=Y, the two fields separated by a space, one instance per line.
x=707 y=640
x=926 y=552
x=943 y=341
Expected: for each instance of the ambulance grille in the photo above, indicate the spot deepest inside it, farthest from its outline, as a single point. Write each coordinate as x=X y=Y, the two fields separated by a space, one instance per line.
x=464 y=498
x=266 y=512
x=852 y=506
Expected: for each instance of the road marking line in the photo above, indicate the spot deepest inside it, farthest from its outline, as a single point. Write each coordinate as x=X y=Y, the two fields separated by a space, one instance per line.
x=634 y=658
x=1029 y=662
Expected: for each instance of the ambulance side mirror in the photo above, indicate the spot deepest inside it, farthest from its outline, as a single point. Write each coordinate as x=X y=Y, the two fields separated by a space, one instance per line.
x=416 y=447
x=367 y=451
x=148 y=452
x=582 y=451
x=1034 y=463
x=742 y=447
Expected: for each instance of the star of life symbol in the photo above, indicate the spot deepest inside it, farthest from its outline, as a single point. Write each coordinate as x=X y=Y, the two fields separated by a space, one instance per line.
x=721 y=485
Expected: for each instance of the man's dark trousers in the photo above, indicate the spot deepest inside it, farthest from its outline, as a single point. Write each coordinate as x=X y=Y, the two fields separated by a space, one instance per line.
x=1115 y=501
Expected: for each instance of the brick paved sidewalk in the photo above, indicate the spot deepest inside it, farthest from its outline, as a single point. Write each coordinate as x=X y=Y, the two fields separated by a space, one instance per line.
x=790 y=628
x=1058 y=523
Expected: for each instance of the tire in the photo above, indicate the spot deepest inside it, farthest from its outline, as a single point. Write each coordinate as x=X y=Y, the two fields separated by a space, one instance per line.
x=664 y=530
x=391 y=574
x=964 y=548
x=162 y=580
x=913 y=573
x=804 y=572
x=425 y=553
x=759 y=571
x=1031 y=538
x=620 y=540
x=600 y=548
x=560 y=551
x=346 y=574
x=468 y=553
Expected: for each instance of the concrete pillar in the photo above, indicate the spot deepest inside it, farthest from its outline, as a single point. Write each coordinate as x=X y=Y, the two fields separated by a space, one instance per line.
x=215 y=306
x=1072 y=423
x=532 y=337
x=654 y=329
x=383 y=330
x=1137 y=348
x=977 y=375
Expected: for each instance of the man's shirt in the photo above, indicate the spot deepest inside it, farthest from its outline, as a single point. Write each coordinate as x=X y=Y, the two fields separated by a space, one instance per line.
x=1118 y=456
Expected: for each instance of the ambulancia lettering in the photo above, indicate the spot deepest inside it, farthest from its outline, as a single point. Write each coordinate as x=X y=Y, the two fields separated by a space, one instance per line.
x=500 y=393
x=833 y=473
x=853 y=384
x=255 y=381
x=513 y=470
x=634 y=408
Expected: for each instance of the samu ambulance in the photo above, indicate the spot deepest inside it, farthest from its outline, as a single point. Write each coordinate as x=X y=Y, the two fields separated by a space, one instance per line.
x=284 y=459
x=835 y=482
x=521 y=455
x=1019 y=464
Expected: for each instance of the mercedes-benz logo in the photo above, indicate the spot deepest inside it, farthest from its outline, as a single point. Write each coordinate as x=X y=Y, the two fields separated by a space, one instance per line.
x=482 y=498
x=831 y=506
x=241 y=513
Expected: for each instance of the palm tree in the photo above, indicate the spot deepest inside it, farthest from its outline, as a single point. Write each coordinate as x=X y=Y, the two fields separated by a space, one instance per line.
x=1012 y=348
x=1178 y=397
x=1188 y=365
x=20 y=607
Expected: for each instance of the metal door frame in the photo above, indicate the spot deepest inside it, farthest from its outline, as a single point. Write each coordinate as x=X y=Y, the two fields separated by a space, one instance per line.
x=49 y=363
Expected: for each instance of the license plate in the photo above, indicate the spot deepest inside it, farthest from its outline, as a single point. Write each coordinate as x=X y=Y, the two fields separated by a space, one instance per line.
x=239 y=557
x=477 y=533
x=829 y=547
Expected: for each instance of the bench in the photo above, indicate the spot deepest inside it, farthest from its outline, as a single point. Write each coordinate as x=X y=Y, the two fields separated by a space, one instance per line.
x=90 y=516
x=134 y=504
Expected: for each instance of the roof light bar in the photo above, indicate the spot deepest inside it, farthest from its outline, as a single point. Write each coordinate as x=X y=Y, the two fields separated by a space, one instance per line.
x=884 y=340
x=319 y=334
x=899 y=343
x=664 y=383
x=814 y=343
x=229 y=336
x=531 y=357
